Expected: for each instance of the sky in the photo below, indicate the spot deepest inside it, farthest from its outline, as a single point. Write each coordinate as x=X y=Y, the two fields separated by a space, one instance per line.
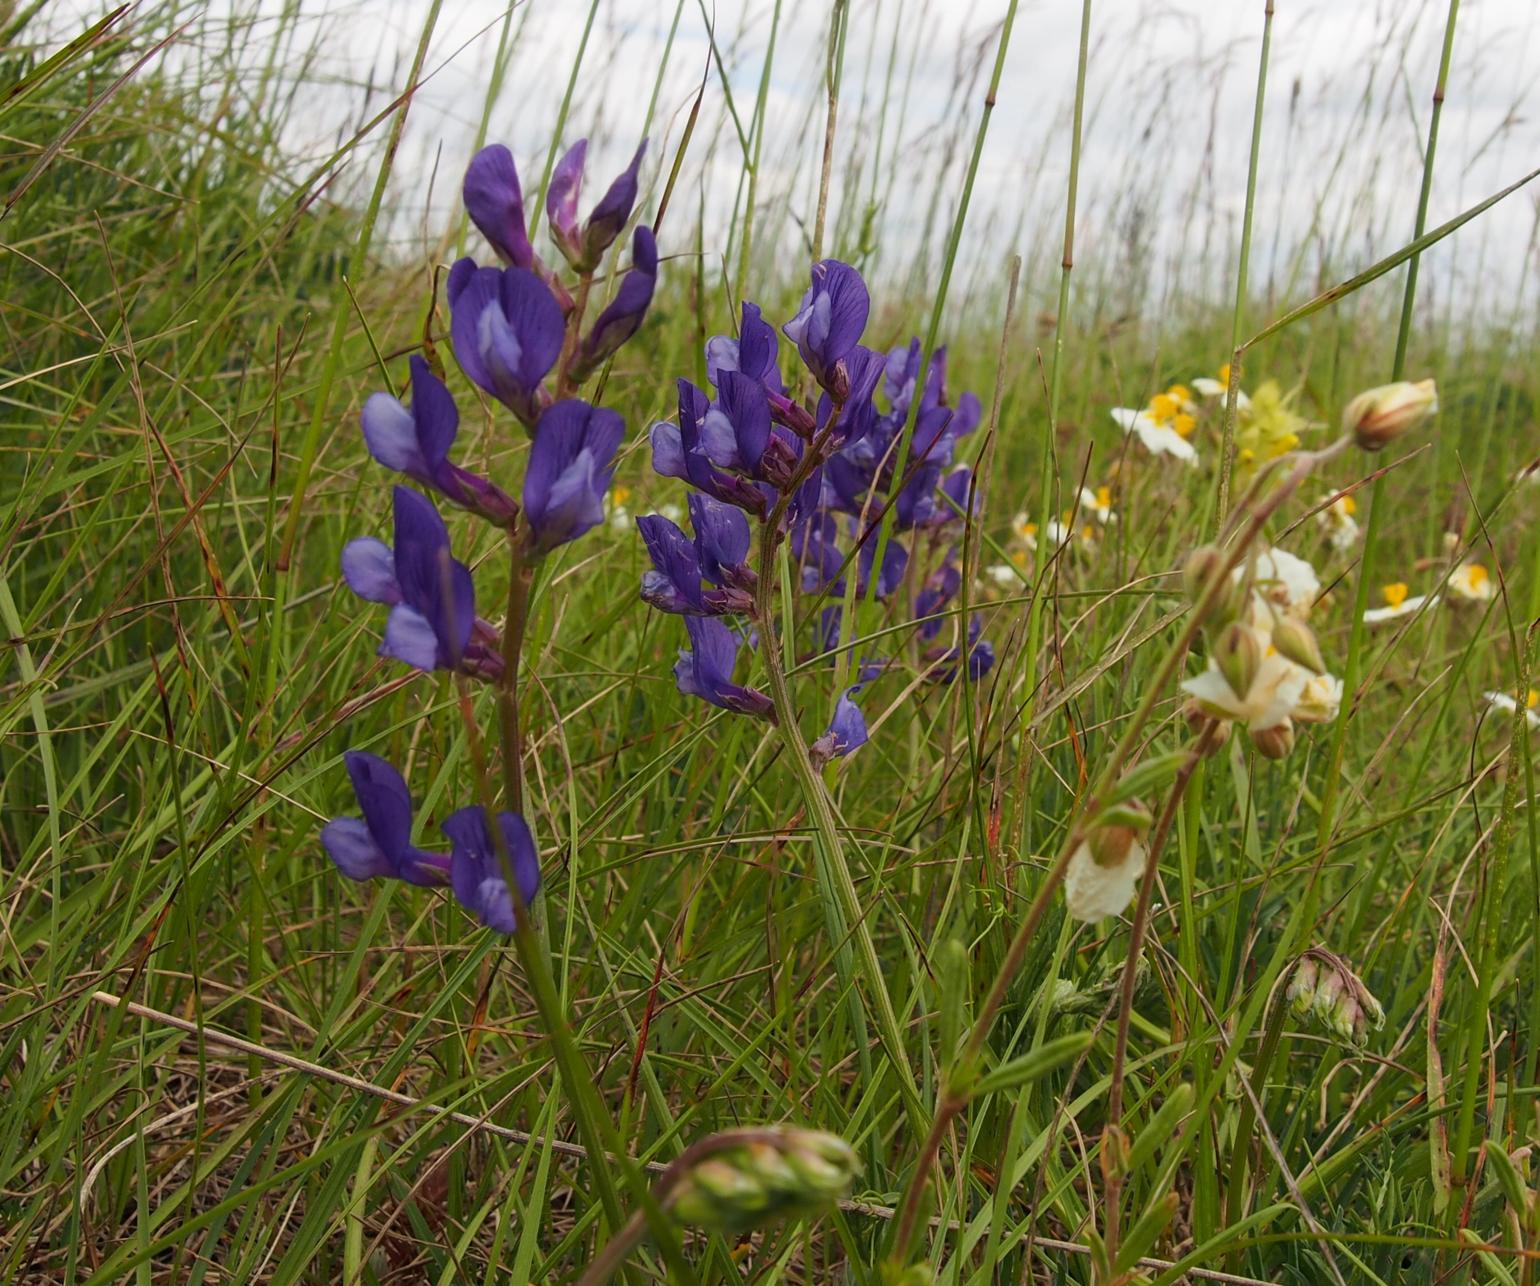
x=1168 y=120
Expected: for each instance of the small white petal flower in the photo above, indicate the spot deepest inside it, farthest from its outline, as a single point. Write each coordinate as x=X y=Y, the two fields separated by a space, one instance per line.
x=1342 y=531
x=1397 y=604
x=1274 y=694
x=1470 y=583
x=1504 y=702
x=1003 y=575
x=1092 y=892
x=1320 y=699
x=672 y=512
x=1284 y=579
x=1156 y=438
x=1097 y=504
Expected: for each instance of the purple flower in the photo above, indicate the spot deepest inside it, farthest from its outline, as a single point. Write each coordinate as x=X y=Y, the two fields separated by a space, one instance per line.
x=981 y=656
x=846 y=732
x=507 y=330
x=379 y=845
x=753 y=353
x=476 y=870
x=679 y=565
x=416 y=442
x=584 y=247
x=496 y=204
x=570 y=466
x=705 y=669
x=623 y=318
x=432 y=601
x=829 y=323
x=678 y=451
x=736 y=427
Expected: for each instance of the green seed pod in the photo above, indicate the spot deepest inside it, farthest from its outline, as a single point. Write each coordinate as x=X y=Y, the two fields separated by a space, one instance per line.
x=1238 y=653
x=765 y=1174
x=1296 y=640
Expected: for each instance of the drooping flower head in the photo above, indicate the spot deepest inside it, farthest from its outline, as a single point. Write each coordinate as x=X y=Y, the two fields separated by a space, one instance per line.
x=476 y=870
x=379 y=845
x=416 y=442
x=705 y=669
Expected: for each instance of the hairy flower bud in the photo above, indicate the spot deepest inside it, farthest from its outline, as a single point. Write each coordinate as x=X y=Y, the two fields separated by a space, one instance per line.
x=1198 y=722
x=1380 y=415
x=1274 y=742
x=1116 y=830
x=1296 y=640
x=752 y=1176
x=1203 y=565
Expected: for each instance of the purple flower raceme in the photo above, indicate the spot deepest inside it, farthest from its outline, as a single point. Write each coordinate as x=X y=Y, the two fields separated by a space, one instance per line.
x=585 y=246
x=570 y=466
x=829 y=324
x=416 y=442
x=432 y=623
x=379 y=844
x=476 y=870
x=705 y=669
x=680 y=566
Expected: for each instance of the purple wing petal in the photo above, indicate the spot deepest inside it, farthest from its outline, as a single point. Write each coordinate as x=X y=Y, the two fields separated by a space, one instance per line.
x=410 y=637
x=369 y=568
x=390 y=433
x=350 y=845
x=847 y=730
x=384 y=801
x=434 y=413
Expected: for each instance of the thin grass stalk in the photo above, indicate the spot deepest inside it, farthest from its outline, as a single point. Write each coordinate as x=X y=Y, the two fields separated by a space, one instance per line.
x=832 y=75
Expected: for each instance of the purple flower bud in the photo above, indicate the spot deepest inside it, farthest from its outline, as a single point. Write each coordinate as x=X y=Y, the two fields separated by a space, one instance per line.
x=507 y=330
x=433 y=602
x=496 y=204
x=416 y=442
x=846 y=732
x=705 y=669
x=476 y=870
x=584 y=248
x=570 y=466
x=981 y=656
x=379 y=845
x=829 y=323
x=623 y=318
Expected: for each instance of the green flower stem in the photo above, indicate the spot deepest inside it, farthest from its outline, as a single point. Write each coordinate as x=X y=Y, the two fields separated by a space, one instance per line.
x=521 y=575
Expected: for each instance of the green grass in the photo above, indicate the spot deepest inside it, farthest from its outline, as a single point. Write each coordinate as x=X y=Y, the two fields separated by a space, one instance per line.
x=192 y=319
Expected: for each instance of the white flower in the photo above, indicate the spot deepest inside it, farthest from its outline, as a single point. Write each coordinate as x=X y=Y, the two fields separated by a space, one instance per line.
x=672 y=512
x=1284 y=579
x=620 y=518
x=1003 y=575
x=1342 y=531
x=1504 y=702
x=1025 y=531
x=1470 y=583
x=1092 y=891
x=1097 y=504
x=1206 y=387
x=1320 y=699
x=1276 y=688
x=1397 y=604
x=1157 y=438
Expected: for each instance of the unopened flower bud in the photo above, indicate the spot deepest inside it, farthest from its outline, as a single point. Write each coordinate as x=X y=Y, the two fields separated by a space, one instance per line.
x=1296 y=640
x=1274 y=742
x=1238 y=654
x=1116 y=830
x=1325 y=985
x=758 y=1175
x=1380 y=415
x=1200 y=721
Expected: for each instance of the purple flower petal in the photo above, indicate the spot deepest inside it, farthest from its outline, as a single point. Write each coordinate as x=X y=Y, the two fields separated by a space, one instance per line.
x=614 y=209
x=409 y=637
x=570 y=466
x=561 y=200
x=476 y=872
x=350 y=845
x=496 y=205
x=369 y=568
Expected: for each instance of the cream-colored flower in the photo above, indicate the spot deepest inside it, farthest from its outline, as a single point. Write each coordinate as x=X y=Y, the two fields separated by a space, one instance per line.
x=1024 y=530
x=1276 y=687
x=1002 y=574
x=1320 y=700
x=1471 y=583
x=620 y=516
x=1093 y=891
x=1338 y=518
x=1380 y=415
x=1284 y=579
x=1397 y=604
x=1504 y=702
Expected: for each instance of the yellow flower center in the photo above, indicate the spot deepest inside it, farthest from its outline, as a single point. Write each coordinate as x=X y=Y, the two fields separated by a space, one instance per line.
x=1394 y=595
x=1163 y=407
x=1347 y=505
x=1183 y=424
x=1104 y=497
x=619 y=495
x=1180 y=393
x=1533 y=699
x=1476 y=575
x=1284 y=445
x=1088 y=533
x=1019 y=557
x=1224 y=374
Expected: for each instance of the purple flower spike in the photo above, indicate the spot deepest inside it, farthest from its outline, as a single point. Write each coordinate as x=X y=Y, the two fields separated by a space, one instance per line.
x=736 y=428
x=829 y=323
x=379 y=845
x=679 y=565
x=623 y=318
x=705 y=669
x=846 y=732
x=476 y=871
x=416 y=442
x=678 y=451
x=507 y=330
x=432 y=601
x=495 y=203
x=570 y=467
x=584 y=247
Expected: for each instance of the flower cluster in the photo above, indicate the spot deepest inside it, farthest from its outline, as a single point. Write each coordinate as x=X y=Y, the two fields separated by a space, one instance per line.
x=519 y=336
x=880 y=436
x=1323 y=984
